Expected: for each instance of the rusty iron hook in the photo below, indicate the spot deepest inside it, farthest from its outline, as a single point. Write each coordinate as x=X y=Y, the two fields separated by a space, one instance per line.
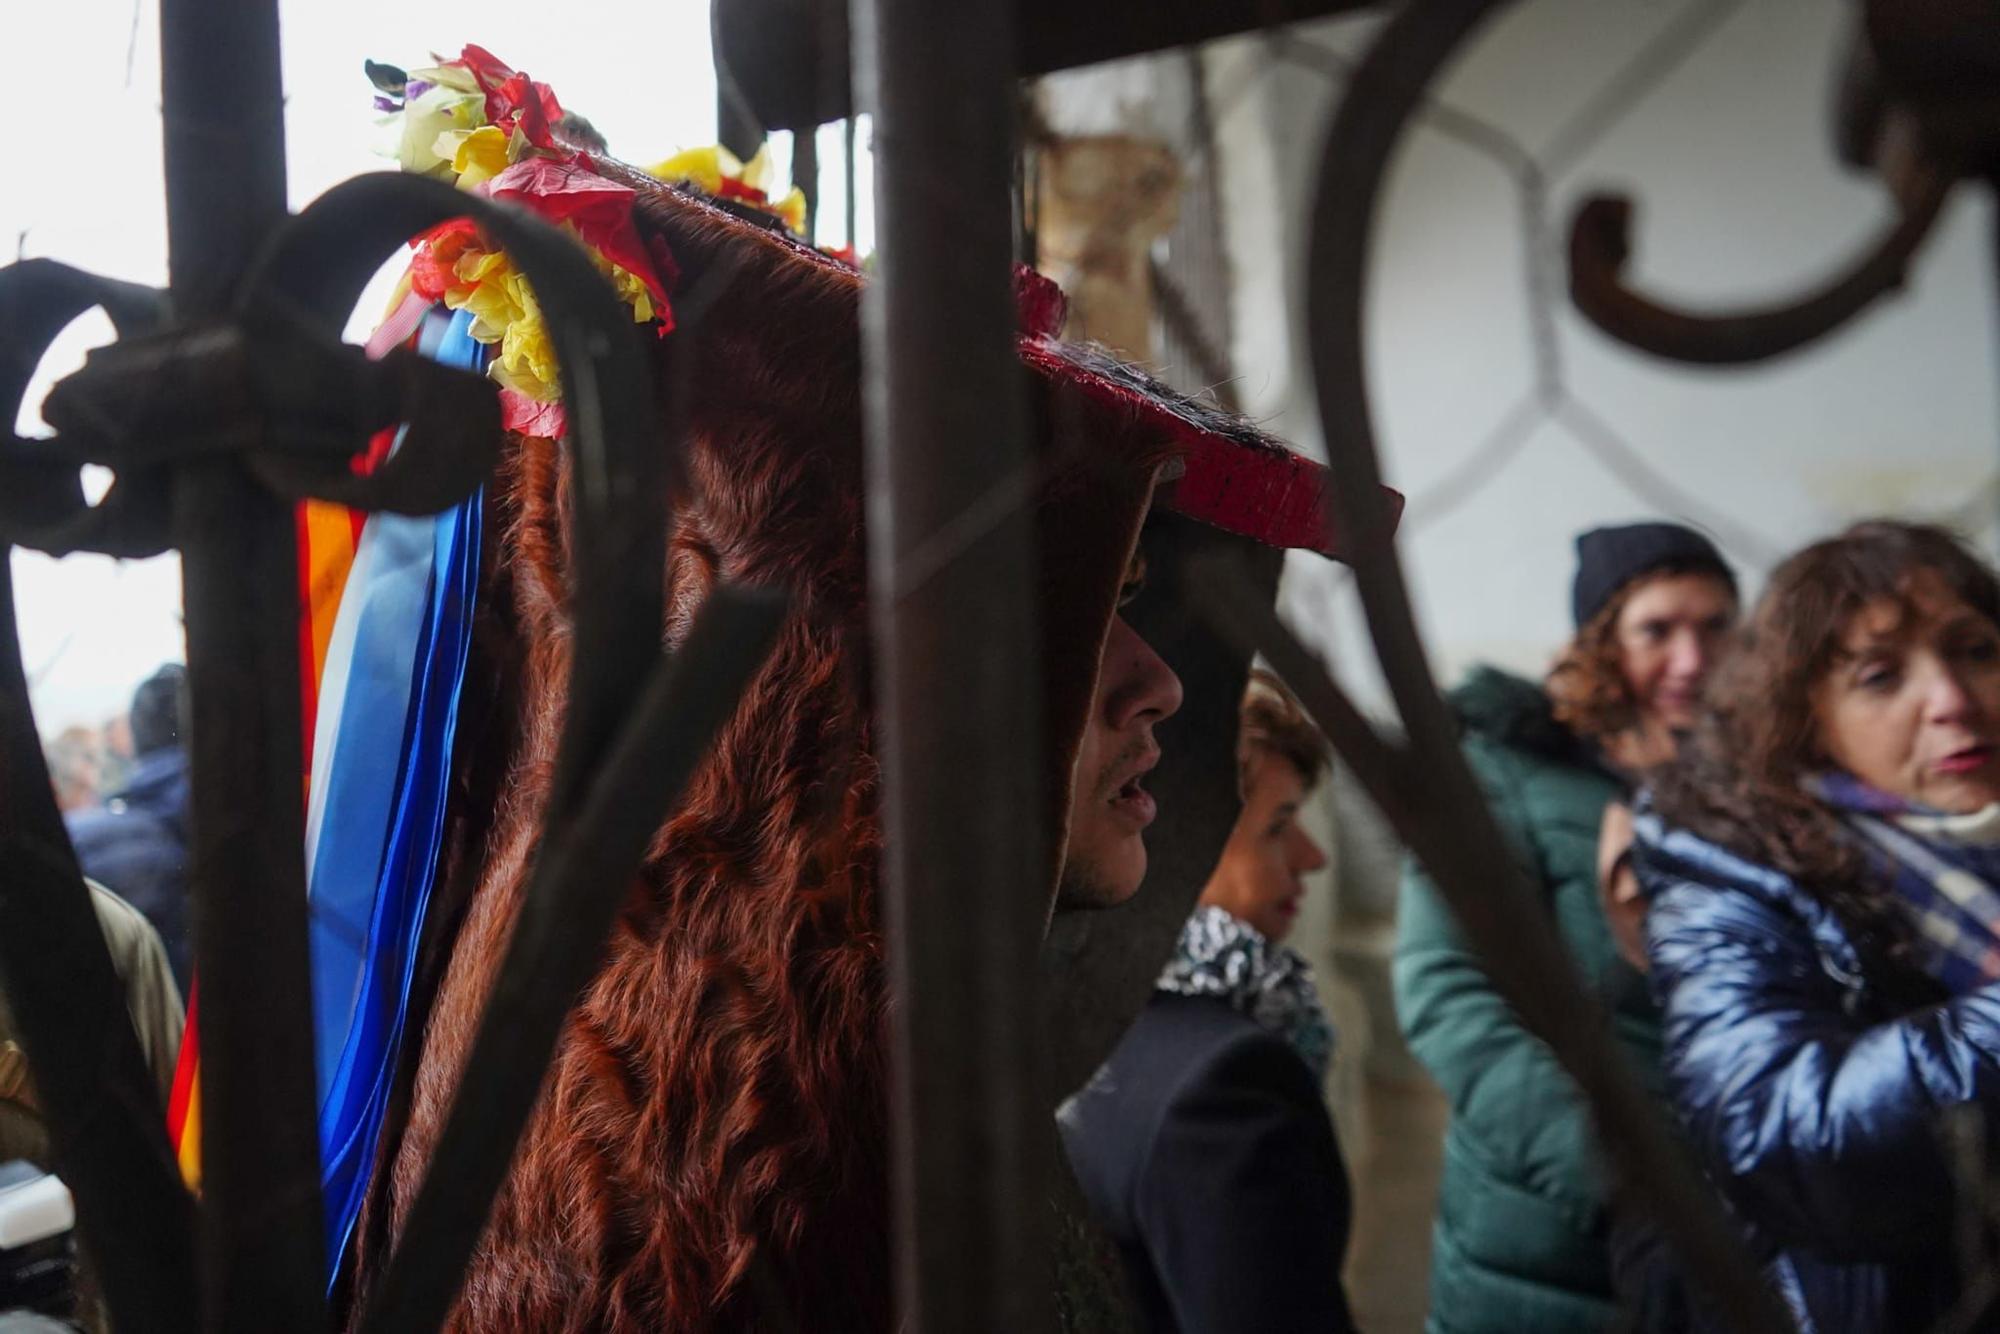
x=1600 y=243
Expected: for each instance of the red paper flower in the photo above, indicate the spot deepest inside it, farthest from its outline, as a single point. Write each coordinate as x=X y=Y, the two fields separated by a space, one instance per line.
x=434 y=267
x=513 y=100
x=600 y=210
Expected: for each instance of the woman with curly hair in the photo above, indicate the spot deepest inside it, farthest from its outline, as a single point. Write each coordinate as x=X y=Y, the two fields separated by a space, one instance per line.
x=1523 y=1233
x=1823 y=865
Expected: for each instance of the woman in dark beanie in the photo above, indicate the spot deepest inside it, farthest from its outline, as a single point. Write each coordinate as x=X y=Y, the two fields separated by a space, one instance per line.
x=1824 y=868
x=1522 y=1238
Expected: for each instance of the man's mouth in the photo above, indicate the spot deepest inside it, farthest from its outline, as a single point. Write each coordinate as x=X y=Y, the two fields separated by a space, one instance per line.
x=1131 y=799
x=1967 y=759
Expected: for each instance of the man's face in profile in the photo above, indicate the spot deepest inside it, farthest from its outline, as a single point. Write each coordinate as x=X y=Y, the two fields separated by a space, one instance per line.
x=1109 y=807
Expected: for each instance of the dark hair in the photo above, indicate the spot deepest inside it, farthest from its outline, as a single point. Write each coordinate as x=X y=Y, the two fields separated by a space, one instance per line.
x=1607 y=559
x=1274 y=724
x=1738 y=781
x=157 y=709
x=1587 y=687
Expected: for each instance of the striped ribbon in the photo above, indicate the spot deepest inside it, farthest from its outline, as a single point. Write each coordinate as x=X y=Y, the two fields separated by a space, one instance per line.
x=385 y=623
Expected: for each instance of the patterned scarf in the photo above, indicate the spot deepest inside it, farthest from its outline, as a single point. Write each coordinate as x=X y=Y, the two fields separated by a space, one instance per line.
x=1222 y=956
x=1944 y=870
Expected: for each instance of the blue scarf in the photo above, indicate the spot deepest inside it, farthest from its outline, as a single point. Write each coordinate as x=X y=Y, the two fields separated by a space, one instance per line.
x=1224 y=957
x=1943 y=870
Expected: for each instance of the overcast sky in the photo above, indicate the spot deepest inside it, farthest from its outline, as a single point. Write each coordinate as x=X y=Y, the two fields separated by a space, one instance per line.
x=86 y=189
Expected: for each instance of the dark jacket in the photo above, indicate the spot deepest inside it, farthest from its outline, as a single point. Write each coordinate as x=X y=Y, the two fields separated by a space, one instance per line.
x=1205 y=1151
x=137 y=844
x=1521 y=1240
x=1813 y=1082
x=158 y=786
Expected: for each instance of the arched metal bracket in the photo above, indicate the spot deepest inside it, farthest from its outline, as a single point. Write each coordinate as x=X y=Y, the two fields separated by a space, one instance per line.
x=42 y=501
x=102 y=1104
x=1600 y=245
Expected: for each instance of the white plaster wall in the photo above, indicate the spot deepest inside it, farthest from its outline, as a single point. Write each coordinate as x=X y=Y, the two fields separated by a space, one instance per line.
x=1740 y=199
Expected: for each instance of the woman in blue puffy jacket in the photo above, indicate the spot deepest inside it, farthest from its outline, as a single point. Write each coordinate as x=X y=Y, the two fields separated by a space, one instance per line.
x=1823 y=868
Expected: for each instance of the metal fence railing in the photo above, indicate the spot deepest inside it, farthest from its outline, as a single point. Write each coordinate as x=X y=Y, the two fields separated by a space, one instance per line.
x=214 y=473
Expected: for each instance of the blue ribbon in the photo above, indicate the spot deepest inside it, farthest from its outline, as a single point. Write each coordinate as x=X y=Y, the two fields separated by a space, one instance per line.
x=368 y=944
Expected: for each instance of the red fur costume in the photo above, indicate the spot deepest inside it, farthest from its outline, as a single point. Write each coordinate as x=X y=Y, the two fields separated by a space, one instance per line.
x=712 y=1132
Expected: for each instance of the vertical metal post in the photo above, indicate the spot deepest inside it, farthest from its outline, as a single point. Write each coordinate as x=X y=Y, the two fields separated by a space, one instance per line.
x=957 y=675
x=736 y=127
x=805 y=175
x=847 y=184
x=263 y=1257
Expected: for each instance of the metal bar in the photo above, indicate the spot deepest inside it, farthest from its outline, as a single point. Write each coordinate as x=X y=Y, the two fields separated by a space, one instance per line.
x=1452 y=829
x=805 y=175
x=850 y=205
x=263 y=1253
x=967 y=866
x=102 y=1109
x=737 y=127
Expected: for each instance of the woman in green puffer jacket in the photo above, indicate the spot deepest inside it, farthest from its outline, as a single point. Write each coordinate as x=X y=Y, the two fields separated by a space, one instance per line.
x=1522 y=1240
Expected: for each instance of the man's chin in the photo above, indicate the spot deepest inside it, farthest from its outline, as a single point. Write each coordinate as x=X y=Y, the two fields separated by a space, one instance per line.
x=1092 y=884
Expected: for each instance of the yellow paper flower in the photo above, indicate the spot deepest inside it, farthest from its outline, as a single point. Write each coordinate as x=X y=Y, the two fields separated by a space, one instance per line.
x=759 y=174
x=715 y=169
x=703 y=167
x=506 y=315
x=505 y=312
x=792 y=209
x=480 y=156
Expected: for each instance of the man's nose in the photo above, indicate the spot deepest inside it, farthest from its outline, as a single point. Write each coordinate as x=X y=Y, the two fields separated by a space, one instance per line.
x=1143 y=689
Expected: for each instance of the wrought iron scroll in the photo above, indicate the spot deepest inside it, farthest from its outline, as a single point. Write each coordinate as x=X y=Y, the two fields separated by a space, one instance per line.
x=1423 y=784
x=1914 y=105
x=104 y=1121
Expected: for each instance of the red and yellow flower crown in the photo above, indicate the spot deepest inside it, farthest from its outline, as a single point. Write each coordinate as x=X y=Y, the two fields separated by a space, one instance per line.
x=485 y=127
